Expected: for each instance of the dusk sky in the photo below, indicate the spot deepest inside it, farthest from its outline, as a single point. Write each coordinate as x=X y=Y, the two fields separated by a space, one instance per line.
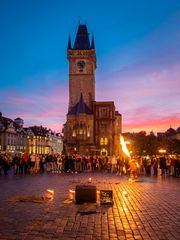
x=138 y=59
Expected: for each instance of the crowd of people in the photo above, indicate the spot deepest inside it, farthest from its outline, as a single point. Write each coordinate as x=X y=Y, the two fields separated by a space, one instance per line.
x=21 y=164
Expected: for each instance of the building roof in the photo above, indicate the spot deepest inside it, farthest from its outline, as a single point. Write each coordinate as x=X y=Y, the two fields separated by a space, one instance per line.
x=80 y=107
x=39 y=130
x=82 y=38
x=18 y=118
x=178 y=130
x=170 y=132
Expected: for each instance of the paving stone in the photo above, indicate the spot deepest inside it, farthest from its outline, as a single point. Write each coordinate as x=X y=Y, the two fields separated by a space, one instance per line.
x=150 y=211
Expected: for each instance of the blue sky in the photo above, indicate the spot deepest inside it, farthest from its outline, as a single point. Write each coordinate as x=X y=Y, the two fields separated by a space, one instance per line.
x=138 y=59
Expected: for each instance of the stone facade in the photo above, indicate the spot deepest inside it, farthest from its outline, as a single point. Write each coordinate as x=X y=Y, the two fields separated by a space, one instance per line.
x=107 y=128
x=91 y=127
x=82 y=67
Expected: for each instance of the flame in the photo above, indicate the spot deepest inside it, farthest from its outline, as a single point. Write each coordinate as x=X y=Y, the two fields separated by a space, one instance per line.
x=71 y=194
x=71 y=191
x=124 y=147
x=90 y=180
x=50 y=191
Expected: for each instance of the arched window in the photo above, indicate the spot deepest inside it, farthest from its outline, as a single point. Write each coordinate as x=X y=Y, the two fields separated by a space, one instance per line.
x=104 y=141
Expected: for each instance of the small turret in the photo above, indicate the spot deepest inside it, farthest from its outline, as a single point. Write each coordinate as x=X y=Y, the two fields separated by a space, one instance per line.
x=69 y=43
x=92 y=43
x=19 y=122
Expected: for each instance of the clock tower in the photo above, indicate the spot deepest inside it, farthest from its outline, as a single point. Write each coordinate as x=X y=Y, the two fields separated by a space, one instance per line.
x=82 y=65
x=91 y=128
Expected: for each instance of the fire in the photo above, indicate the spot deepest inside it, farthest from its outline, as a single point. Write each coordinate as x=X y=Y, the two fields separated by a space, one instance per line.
x=90 y=180
x=71 y=194
x=50 y=194
x=71 y=191
x=50 y=191
x=124 y=147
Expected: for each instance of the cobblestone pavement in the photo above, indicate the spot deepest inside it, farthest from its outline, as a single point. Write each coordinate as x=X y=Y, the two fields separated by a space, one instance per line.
x=150 y=208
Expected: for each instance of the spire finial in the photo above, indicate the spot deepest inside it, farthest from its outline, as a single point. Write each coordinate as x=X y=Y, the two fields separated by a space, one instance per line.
x=85 y=19
x=79 y=20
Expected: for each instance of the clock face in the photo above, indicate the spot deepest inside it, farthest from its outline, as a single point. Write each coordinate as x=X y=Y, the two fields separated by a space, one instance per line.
x=81 y=65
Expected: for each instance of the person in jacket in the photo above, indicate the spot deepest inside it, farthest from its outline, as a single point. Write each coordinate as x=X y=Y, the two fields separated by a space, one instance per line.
x=133 y=167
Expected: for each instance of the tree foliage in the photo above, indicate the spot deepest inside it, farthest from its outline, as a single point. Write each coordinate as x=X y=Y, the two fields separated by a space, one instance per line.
x=143 y=144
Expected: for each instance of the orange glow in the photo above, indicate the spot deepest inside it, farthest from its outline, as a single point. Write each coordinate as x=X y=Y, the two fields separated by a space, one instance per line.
x=124 y=147
x=162 y=151
x=155 y=124
x=71 y=191
x=90 y=180
x=71 y=194
x=50 y=191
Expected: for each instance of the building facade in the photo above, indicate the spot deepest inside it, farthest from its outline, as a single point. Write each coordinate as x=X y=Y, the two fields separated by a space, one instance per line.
x=92 y=127
x=14 y=138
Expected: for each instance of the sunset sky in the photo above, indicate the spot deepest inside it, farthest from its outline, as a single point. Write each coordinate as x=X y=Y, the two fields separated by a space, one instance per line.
x=138 y=59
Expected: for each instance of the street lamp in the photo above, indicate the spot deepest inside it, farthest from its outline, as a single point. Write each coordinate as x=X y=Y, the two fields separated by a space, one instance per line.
x=162 y=150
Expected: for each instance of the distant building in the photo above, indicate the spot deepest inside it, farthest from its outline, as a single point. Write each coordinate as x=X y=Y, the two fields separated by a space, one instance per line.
x=171 y=133
x=43 y=141
x=91 y=127
x=14 y=138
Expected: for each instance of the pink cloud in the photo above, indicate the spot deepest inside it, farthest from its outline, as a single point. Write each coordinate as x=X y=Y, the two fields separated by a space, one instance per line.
x=157 y=124
x=148 y=99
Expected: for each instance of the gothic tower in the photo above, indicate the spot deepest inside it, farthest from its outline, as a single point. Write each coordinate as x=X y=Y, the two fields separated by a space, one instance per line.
x=82 y=65
x=91 y=127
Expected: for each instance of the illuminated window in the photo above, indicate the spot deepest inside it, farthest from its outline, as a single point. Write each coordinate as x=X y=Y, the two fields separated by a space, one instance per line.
x=74 y=133
x=81 y=132
x=34 y=149
x=101 y=141
x=105 y=141
x=88 y=133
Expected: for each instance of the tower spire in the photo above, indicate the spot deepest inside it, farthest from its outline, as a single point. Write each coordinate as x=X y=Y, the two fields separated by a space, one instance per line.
x=82 y=38
x=92 y=42
x=69 y=43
